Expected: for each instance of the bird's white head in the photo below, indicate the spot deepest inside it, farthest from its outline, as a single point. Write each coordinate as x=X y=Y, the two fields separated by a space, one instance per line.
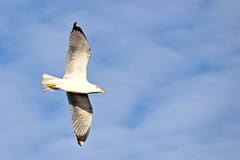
x=96 y=89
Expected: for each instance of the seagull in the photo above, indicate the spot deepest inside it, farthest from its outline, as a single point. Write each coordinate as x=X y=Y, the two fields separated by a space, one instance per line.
x=75 y=83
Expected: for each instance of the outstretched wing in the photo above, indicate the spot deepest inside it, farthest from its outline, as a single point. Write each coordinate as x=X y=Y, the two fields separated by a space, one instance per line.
x=78 y=54
x=81 y=110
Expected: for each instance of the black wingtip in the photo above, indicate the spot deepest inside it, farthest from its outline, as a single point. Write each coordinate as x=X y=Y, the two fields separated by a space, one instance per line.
x=82 y=138
x=76 y=24
x=77 y=28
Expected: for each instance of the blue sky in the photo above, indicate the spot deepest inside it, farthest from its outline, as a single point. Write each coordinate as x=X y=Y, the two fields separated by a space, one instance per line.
x=171 y=70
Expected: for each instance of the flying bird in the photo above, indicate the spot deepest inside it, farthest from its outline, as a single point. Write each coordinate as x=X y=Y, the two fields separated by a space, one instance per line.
x=75 y=83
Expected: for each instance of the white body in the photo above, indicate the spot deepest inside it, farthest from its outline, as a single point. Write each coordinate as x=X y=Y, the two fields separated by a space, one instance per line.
x=73 y=85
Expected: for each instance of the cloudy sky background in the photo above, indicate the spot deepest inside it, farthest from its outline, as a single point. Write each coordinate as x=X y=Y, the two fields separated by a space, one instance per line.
x=171 y=70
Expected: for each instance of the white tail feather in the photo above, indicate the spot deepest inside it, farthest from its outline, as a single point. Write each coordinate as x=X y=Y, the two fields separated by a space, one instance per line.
x=46 y=79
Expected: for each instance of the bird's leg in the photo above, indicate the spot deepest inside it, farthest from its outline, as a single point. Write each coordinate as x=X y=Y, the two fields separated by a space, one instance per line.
x=52 y=85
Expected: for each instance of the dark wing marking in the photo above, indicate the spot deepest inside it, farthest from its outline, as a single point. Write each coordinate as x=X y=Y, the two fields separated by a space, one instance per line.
x=78 y=54
x=81 y=110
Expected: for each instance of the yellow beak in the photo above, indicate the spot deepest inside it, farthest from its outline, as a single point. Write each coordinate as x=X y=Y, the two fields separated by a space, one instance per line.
x=103 y=92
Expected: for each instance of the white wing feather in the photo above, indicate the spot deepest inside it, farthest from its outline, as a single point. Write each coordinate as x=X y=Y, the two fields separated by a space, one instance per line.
x=78 y=54
x=81 y=110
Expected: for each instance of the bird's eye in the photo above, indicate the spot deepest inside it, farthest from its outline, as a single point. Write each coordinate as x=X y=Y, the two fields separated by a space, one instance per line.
x=96 y=87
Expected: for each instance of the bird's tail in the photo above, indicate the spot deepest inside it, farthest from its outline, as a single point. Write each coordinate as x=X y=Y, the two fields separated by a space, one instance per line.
x=48 y=83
